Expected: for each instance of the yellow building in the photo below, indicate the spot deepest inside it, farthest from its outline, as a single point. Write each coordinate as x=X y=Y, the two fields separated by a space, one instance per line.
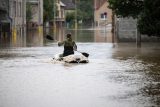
x=102 y=14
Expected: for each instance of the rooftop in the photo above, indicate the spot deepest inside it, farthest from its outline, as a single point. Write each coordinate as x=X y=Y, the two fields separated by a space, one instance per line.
x=69 y=4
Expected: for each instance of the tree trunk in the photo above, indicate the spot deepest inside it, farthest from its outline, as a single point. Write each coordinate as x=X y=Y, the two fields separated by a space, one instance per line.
x=113 y=27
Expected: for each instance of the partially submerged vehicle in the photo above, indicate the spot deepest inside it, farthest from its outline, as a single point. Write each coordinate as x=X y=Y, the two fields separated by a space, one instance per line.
x=71 y=58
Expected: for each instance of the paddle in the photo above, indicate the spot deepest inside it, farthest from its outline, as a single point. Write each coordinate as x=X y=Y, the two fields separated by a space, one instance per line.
x=84 y=53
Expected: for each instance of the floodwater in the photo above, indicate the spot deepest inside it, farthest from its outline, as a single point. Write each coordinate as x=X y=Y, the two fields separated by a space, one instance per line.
x=118 y=74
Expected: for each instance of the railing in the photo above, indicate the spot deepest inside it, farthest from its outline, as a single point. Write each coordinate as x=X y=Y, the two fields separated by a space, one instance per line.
x=59 y=19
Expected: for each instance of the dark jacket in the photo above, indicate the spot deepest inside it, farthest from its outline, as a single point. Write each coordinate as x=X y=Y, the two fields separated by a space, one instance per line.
x=69 y=47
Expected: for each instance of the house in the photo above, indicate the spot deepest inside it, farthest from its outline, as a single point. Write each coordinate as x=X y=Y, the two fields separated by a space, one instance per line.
x=17 y=14
x=70 y=6
x=5 y=21
x=12 y=15
x=37 y=13
x=102 y=14
x=60 y=13
x=70 y=9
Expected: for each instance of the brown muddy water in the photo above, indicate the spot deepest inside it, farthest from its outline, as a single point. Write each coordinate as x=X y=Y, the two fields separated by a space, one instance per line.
x=118 y=74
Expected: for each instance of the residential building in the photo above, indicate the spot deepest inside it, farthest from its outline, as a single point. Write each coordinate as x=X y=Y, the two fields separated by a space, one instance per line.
x=4 y=16
x=69 y=9
x=37 y=13
x=12 y=15
x=17 y=13
x=102 y=14
x=60 y=12
x=69 y=6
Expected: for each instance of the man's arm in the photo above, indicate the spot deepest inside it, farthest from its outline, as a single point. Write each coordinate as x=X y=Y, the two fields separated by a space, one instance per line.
x=60 y=43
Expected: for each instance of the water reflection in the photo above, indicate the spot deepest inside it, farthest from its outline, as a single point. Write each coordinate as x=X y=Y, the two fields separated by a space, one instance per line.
x=5 y=40
x=146 y=61
x=131 y=74
x=36 y=37
x=103 y=36
x=15 y=40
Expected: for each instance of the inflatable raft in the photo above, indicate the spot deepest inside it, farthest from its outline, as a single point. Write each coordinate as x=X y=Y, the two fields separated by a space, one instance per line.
x=71 y=58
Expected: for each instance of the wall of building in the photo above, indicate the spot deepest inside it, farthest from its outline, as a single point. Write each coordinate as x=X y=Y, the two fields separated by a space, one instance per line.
x=37 y=12
x=101 y=9
x=4 y=4
x=17 y=13
x=4 y=17
x=60 y=16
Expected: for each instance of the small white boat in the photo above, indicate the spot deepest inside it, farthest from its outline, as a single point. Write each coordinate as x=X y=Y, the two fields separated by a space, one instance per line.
x=71 y=58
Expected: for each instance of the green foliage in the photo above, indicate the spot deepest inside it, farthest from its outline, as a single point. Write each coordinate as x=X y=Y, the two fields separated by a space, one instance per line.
x=149 y=22
x=70 y=17
x=146 y=11
x=126 y=8
x=48 y=9
x=85 y=10
x=28 y=12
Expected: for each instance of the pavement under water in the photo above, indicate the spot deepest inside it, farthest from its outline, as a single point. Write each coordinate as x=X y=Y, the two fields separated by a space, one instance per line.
x=117 y=75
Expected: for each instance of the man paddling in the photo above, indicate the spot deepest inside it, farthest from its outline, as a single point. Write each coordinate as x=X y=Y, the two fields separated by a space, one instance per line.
x=69 y=46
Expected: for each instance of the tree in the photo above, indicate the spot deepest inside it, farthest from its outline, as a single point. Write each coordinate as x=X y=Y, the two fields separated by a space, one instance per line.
x=146 y=11
x=149 y=22
x=28 y=12
x=85 y=11
x=70 y=17
x=48 y=9
x=126 y=8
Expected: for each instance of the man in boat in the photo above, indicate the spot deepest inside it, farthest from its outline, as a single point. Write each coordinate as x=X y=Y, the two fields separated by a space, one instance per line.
x=69 y=46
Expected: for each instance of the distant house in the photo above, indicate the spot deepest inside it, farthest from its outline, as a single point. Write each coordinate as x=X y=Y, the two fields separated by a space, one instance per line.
x=69 y=6
x=37 y=13
x=102 y=14
x=63 y=7
x=60 y=12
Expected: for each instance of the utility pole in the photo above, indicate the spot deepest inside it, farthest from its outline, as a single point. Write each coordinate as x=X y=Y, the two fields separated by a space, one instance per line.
x=138 y=39
x=54 y=19
x=76 y=25
x=113 y=27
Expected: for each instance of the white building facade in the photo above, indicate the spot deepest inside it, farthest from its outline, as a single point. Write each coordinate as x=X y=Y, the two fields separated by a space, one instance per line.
x=17 y=13
x=37 y=12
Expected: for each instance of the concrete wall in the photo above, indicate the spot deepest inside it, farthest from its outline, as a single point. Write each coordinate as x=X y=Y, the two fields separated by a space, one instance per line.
x=126 y=31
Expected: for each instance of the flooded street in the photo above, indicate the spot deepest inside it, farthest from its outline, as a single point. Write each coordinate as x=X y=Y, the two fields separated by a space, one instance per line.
x=117 y=75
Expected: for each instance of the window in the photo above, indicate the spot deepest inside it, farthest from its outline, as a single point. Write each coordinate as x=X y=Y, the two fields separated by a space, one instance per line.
x=14 y=8
x=103 y=16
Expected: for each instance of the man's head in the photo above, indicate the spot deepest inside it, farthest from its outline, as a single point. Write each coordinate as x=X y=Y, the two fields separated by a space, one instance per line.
x=68 y=36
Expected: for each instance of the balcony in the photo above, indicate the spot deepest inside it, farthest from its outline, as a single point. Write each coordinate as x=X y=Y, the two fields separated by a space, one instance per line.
x=58 y=19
